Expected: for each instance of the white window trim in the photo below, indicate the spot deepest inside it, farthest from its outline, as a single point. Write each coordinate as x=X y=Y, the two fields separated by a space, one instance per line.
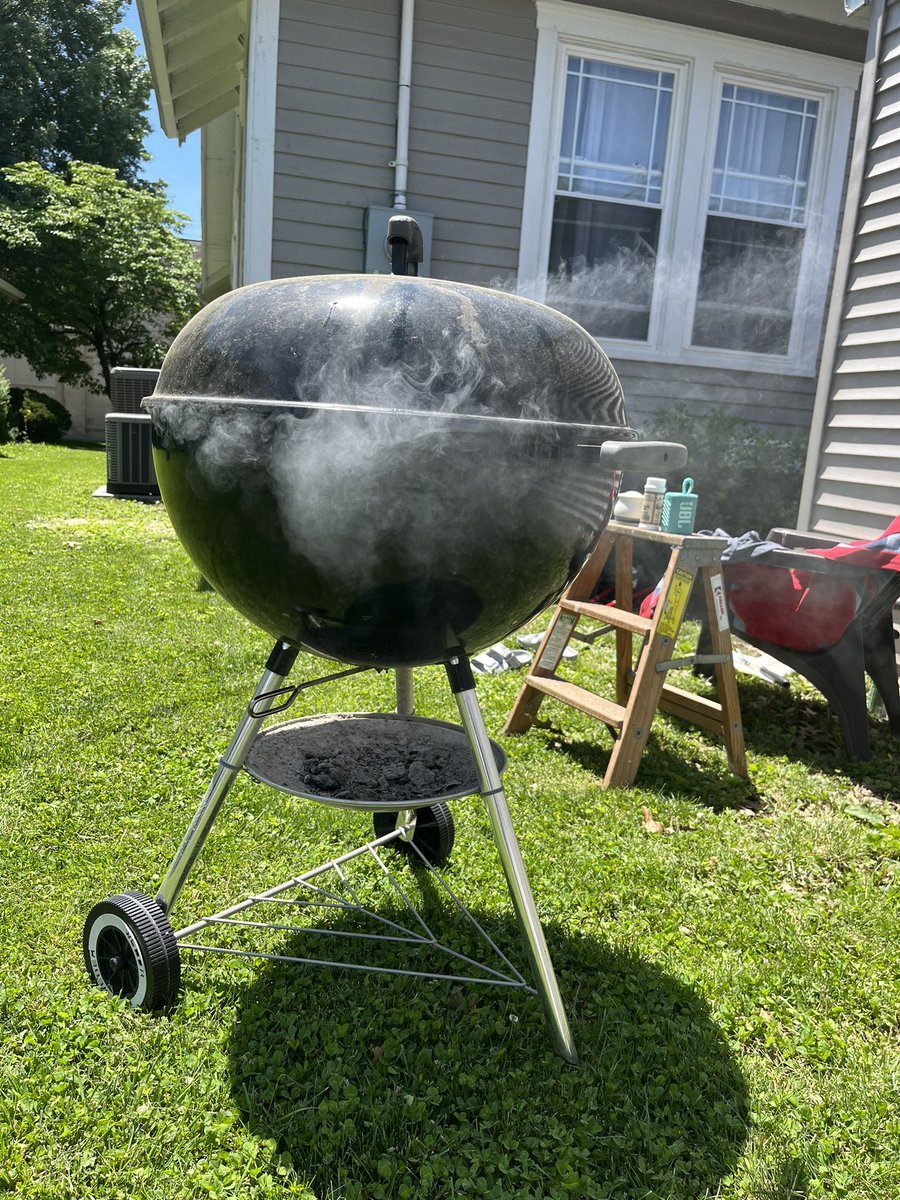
x=701 y=60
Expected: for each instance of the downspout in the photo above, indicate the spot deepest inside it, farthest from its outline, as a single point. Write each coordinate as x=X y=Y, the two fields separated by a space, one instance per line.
x=404 y=86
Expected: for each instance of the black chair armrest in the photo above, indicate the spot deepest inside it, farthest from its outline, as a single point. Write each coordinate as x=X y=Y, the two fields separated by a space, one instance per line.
x=802 y=539
x=799 y=560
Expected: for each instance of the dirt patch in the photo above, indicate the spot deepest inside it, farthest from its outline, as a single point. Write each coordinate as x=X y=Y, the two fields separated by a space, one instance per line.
x=367 y=759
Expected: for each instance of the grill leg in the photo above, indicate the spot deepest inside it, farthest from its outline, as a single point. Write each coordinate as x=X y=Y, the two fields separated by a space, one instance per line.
x=280 y=662
x=462 y=684
x=403 y=684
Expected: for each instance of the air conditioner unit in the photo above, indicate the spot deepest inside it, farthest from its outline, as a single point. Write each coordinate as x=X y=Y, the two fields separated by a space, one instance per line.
x=129 y=385
x=129 y=459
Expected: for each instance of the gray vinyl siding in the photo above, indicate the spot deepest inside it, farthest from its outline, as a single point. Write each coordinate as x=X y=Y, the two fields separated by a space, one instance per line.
x=335 y=132
x=473 y=69
x=469 y=135
x=856 y=470
x=781 y=402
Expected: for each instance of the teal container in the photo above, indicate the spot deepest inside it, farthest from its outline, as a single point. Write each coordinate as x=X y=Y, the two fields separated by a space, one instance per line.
x=679 y=509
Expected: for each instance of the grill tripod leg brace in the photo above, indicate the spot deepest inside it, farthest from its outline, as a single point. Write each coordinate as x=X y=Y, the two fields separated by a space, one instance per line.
x=279 y=664
x=462 y=684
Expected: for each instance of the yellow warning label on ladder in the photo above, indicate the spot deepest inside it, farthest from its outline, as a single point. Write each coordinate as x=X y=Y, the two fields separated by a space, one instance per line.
x=676 y=602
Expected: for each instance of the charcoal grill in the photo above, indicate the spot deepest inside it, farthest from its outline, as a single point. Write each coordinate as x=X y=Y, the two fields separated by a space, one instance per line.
x=388 y=472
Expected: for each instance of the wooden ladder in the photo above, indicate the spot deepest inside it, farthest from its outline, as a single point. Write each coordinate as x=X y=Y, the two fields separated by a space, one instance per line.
x=641 y=690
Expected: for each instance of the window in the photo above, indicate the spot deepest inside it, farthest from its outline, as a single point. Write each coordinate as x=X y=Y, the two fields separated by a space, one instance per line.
x=756 y=216
x=605 y=234
x=689 y=212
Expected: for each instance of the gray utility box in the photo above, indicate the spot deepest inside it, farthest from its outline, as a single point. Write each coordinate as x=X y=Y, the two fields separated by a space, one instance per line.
x=129 y=385
x=377 y=258
x=129 y=458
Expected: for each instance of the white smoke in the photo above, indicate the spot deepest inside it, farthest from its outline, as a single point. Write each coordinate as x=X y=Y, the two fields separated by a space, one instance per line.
x=745 y=303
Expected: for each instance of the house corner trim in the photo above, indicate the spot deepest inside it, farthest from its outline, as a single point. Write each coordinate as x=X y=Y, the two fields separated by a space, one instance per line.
x=258 y=192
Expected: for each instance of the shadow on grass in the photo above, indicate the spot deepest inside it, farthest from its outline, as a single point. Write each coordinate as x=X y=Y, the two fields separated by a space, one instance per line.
x=376 y=1086
x=778 y=722
x=663 y=770
x=781 y=722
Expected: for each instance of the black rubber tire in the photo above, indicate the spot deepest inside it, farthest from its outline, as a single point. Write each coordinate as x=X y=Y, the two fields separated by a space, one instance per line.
x=130 y=950
x=433 y=836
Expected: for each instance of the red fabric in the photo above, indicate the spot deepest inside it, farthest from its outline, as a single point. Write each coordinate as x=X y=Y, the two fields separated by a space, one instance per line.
x=870 y=554
x=795 y=609
x=803 y=610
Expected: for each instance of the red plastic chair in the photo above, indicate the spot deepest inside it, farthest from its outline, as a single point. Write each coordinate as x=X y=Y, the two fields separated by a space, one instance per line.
x=824 y=608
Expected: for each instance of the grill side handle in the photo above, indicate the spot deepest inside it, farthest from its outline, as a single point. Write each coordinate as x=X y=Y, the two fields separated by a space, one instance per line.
x=644 y=456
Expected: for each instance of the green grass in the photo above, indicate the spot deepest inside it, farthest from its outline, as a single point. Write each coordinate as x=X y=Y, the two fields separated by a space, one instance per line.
x=733 y=984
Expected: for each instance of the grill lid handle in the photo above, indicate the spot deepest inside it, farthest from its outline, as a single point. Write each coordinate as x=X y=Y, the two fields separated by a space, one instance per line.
x=644 y=456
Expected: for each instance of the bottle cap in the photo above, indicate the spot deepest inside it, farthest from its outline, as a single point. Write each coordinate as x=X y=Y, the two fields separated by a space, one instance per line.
x=654 y=483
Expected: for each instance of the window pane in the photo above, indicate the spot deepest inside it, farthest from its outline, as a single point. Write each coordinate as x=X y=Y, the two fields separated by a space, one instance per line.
x=763 y=152
x=602 y=259
x=748 y=283
x=609 y=187
x=615 y=126
x=754 y=231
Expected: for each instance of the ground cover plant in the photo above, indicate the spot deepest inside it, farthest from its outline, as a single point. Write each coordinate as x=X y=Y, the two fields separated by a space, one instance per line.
x=727 y=952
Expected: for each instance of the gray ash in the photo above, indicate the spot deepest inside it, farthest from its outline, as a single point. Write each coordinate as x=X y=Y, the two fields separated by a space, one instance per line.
x=366 y=758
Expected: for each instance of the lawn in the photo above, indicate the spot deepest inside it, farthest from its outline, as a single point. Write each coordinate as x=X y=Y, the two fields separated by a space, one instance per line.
x=729 y=964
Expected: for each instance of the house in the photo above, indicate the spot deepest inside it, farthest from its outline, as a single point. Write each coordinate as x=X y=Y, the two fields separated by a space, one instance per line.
x=851 y=486
x=676 y=186
x=87 y=413
x=671 y=175
x=88 y=410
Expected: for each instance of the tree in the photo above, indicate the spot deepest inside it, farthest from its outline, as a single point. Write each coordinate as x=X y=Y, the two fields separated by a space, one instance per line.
x=102 y=267
x=71 y=85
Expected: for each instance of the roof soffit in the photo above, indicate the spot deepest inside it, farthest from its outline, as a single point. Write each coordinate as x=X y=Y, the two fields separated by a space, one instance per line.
x=197 y=53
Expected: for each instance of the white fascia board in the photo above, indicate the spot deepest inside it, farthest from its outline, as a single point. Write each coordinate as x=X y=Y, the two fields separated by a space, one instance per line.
x=154 y=46
x=217 y=150
x=258 y=192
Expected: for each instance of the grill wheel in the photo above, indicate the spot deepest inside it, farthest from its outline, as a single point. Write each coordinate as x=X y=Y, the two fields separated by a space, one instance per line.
x=434 y=833
x=130 y=950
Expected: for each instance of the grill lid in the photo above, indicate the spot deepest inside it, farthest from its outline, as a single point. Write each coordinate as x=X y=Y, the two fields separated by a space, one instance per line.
x=394 y=343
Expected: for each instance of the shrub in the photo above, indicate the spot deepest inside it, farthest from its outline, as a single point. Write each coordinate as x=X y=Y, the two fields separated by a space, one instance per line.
x=746 y=476
x=37 y=416
x=6 y=429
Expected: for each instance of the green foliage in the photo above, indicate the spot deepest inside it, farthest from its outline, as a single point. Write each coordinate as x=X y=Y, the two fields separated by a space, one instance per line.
x=6 y=426
x=73 y=86
x=746 y=476
x=37 y=416
x=732 y=980
x=103 y=270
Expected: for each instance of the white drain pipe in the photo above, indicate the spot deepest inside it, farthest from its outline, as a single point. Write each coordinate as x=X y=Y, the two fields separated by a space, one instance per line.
x=404 y=85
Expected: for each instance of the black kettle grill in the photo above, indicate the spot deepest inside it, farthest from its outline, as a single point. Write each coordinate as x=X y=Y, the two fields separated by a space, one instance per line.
x=389 y=472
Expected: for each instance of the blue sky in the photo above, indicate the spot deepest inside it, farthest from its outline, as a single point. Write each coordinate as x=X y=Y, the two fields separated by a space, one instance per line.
x=178 y=166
